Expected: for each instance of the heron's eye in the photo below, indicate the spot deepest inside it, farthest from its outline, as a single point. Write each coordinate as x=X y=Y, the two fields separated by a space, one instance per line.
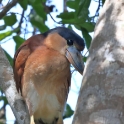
x=70 y=42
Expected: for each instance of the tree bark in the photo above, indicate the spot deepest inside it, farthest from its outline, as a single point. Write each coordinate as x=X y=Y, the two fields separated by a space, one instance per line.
x=7 y=84
x=101 y=99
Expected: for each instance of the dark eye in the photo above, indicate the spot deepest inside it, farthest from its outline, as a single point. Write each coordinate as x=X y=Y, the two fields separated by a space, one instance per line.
x=70 y=42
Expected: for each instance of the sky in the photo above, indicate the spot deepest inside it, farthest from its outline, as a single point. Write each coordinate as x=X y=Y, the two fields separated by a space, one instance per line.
x=76 y=79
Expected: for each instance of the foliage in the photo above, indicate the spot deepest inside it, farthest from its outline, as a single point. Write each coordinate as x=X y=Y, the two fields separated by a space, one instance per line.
x=68 y=112
x=18 y=22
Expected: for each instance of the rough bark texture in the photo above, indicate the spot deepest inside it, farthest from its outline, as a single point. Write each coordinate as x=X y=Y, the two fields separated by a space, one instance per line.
x=101 y=99
x=7 y=84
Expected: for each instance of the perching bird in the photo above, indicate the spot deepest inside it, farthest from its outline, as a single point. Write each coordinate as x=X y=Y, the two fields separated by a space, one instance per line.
x=42 y=72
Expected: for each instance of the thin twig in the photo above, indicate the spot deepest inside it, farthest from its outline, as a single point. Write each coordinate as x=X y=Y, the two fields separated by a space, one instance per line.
x=48 y=12
x=73 y=71
x=54 y=19
x=18 y=14
x=99 y=5
x=86 y=52
x=2 y=42
x=97 y=11
x=22 y=16
x=34 y=30
x=21 y=20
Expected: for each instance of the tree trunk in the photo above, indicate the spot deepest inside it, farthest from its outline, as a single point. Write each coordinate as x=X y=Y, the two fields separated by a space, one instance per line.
x=7 y=84
x=101 y=99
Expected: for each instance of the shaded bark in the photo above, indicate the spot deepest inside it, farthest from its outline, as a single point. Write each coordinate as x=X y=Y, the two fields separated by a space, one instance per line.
x=7 y=84
x=101 y=99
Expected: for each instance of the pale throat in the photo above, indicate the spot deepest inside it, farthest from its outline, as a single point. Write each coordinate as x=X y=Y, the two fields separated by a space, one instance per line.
x=56 y=42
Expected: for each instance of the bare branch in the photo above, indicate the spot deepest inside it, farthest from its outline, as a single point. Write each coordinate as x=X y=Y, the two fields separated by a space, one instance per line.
x=7 y=8
x=97 y=11
x=7 y=84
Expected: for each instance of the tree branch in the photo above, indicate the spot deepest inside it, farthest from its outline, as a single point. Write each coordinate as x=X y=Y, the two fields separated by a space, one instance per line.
x=7 y=84
x=7 y=8
x=101 y=98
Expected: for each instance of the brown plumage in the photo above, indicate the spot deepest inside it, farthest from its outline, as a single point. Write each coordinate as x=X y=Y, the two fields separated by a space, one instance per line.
x=42 y=72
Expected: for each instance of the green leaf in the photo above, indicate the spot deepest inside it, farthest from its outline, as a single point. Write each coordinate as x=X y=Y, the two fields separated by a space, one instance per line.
x=39 y=8
x=67 y=15
x=43 y=1
x=31 y=1
x=84 y=59
x=19 y=40
x=77 y=4
x=71 y=4
x=23 y=4
x=68 y=113
x=70 y=27
x=83 y=14
x=77 y=26
x=85 y=3
x=89 y=26
x=10 y=20
x=39 y=23
x=4 y=35
x=4 y=99
x=87 y=37
x=9 y=58
x=83 y=6
x=2 y=27
x=74 y=21
x=103 y=1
